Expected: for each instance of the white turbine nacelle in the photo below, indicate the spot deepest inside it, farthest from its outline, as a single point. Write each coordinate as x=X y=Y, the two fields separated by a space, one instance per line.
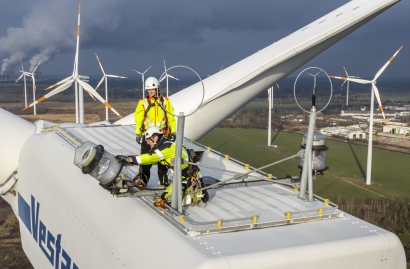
x=68 y=221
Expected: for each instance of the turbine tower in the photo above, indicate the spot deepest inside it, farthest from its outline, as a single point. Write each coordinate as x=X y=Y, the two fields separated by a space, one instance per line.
x=143 y=81
x=23 y=75
x=270 y=102
x=375 y=91
x=75 y=78
x=104 y=78
x=348 y=82
x=167 y=76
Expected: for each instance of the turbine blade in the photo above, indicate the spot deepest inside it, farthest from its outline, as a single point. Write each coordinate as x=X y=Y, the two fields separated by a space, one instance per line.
x=36 y=67
x=98 y=59
x=277 y=85
x=376 y=93
x=77 y=48
x=95 y=100
x=361 y=81
x=137 y=71
x=90 y=89
x=99 y=83
x=343 y=83
x=147 y=69
x=342 y=78
x=347 y=75
x=59 y=89
x=59 y=83
x=163 y=78
x=388 y=62
x=165 y=67
x=115 y=76
x=19 y=77
x=173 y=77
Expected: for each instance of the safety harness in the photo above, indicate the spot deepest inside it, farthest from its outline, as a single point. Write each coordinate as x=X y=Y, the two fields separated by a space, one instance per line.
x=147 y=106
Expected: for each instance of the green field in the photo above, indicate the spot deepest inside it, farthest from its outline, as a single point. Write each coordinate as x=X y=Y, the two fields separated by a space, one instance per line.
x=347 y=162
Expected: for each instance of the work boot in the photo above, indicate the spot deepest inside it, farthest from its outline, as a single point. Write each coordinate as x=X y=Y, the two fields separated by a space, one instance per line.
x=201 y=204
x=161 y=203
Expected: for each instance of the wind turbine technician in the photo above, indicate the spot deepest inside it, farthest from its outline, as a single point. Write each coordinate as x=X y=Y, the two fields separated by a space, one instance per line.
x=155 y=110
x=162 y=151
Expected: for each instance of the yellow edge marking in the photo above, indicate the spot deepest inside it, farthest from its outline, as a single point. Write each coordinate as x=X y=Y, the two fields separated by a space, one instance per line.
x=381 y=109
x=41 y=99
x=27 y=107
x=78 y=30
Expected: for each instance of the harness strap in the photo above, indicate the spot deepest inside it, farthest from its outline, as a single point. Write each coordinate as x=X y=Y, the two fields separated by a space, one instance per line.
x=146 y=110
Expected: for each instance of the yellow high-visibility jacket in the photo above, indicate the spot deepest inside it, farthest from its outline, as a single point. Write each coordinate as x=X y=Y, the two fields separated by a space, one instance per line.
x=163 y=152
x=149 y=113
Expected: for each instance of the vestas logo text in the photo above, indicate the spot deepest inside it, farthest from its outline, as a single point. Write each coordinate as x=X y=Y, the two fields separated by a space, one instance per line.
x=48 y=243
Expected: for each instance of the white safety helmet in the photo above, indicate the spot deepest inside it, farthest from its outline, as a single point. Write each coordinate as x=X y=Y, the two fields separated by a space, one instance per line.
x=151 y=83
x=151 y=131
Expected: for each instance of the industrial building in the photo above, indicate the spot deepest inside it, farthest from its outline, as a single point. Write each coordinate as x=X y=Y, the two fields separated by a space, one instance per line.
x=7 y=76
x=351 y=132
x=394 y=129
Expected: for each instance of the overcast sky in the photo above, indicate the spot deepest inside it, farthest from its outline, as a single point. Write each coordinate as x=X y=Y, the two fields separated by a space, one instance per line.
x=204 y=35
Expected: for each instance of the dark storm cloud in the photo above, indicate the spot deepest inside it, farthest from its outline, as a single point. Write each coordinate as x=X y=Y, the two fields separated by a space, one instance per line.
x=210 y=32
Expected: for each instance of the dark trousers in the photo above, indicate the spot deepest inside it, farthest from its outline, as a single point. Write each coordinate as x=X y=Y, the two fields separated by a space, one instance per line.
x=145 y=170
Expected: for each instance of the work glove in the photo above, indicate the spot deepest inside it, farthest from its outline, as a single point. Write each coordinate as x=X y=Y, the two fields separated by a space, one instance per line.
x=172 y=137
x=122 y=159
x=138 y=139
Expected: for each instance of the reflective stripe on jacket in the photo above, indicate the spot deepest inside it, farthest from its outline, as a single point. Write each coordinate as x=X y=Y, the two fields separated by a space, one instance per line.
x=155 y=116
x=163 y=152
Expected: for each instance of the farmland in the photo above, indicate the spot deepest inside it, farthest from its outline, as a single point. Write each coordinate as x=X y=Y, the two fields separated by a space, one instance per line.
x=347 y=162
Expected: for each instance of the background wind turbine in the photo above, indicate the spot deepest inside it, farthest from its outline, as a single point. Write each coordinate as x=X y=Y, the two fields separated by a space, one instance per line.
x=348 y=82
x=270 y=102
x=143 y=81
x=314 y=78
x=23 y=75
x=105 y=76
x=375 y=91
x=167 y=76
x=34 y=87
x=75 y=78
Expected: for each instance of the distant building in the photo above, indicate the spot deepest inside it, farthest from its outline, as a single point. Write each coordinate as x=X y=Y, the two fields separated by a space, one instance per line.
x=348 y=133
x=394 y=129
x=362 y=114
x=404 y=113
x=399 y=108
